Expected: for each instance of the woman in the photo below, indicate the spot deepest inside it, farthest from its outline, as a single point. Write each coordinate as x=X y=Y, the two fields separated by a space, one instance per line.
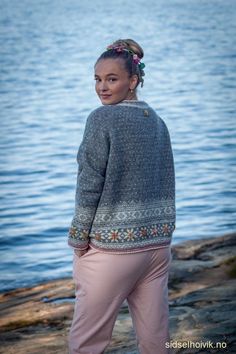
x=124 y=212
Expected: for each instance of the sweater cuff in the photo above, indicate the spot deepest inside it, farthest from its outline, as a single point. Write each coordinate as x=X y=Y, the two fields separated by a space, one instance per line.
x=78 y=238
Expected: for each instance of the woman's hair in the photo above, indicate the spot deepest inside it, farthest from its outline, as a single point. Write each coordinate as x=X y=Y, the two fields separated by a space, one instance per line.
x=131 y=53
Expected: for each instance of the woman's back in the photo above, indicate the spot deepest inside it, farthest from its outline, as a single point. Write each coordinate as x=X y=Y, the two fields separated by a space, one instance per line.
x=130 y=165
x=140 y=157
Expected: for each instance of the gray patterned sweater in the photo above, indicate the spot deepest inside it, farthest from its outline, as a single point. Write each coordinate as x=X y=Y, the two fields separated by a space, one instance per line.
x=125 y=193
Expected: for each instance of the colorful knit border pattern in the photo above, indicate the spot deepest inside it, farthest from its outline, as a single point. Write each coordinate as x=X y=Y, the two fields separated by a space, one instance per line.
x=125 y=238
x=151 y=225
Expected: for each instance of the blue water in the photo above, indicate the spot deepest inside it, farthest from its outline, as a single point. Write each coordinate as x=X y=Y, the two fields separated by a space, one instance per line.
x=48 y=50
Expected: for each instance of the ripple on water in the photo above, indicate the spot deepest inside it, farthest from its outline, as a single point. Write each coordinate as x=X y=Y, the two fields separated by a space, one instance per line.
x=48 y=91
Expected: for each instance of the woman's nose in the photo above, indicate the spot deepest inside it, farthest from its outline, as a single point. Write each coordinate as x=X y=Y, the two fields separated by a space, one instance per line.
x=103 y=86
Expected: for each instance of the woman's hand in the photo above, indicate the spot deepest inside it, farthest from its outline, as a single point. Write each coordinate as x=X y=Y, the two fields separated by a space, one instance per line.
x=80 y=253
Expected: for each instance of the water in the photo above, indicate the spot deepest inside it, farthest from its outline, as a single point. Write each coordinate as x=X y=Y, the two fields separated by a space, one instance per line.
x=48 y=49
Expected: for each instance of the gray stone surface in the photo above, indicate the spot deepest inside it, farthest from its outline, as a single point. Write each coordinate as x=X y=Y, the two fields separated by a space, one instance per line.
x=202 y=289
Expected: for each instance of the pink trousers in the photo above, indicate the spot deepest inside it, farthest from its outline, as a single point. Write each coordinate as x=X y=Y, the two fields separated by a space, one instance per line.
x=103 y=281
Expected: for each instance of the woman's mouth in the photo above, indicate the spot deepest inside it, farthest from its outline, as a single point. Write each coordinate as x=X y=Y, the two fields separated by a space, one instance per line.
x=105 y=96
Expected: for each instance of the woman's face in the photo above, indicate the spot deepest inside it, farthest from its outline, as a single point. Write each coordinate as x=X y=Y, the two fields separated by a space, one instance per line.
x=113 y=83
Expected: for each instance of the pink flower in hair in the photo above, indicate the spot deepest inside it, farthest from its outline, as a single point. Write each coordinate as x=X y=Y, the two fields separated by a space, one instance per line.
x=136 y=59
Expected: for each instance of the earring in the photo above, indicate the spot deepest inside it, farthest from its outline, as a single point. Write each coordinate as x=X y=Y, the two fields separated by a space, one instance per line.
x=131 y=90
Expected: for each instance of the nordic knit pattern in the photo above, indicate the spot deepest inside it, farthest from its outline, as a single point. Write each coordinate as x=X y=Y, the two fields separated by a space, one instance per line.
x=125 y=194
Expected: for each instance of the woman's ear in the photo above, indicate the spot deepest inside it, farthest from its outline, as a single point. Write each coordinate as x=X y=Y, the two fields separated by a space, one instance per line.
x=133 y=81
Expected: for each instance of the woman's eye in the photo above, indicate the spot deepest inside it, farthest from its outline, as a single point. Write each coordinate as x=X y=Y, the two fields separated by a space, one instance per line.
x=110 y=80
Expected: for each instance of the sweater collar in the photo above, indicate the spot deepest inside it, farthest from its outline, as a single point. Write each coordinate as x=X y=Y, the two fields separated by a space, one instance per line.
x=133 y=103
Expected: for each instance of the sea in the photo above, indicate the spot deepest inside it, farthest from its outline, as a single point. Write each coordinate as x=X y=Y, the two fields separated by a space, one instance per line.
x=47 y=55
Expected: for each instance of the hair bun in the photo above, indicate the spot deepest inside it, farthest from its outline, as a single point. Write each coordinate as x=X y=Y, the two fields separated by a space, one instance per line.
x=131 y=45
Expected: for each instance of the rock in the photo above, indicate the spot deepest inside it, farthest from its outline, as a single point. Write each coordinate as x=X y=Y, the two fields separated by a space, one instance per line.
x=201 y=297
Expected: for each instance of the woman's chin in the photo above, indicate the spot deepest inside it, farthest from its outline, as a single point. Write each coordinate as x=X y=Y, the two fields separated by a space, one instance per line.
x=110 y=100
x=106 y=101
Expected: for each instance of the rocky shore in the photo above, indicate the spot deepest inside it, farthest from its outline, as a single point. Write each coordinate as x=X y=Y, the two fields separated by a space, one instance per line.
x=202 y=289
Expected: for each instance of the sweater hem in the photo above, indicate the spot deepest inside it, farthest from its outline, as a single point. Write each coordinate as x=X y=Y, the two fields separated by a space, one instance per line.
x=128 y=250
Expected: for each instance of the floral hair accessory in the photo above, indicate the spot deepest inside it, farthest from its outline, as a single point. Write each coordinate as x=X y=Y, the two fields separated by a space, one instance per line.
x=136 y=59
x=120 y=48
x=141 y=65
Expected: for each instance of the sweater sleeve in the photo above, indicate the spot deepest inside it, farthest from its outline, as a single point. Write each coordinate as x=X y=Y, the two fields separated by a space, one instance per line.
x=92 y=159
